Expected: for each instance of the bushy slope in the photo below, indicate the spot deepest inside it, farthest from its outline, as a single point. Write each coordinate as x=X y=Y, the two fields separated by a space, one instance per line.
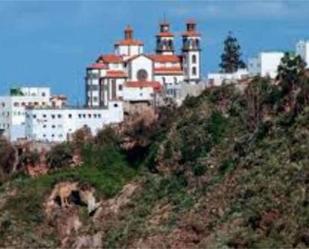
x=234 y=173
x=231 y=171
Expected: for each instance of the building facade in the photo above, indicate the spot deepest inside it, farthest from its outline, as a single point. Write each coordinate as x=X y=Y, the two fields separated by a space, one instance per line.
x=13 y=109
x=265 y=64
x=302 y=49
x=58 y=125
x=128 y=74
x=218 y=79
x=32 y=113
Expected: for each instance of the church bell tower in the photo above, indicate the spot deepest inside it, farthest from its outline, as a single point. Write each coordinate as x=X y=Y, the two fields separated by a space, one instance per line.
x=165 y=40
x=191 y=53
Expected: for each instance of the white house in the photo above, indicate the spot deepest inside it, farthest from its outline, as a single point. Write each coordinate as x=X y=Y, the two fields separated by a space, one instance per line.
x=13 y=107
x=265 y=64
x=217 y=79
x=129 y=75
x=302 y=49
x=57 y=125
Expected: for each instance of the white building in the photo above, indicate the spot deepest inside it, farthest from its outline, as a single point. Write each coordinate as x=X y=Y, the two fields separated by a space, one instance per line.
x=13 y=107
x=218 y=79
x=265 y=64
x=130 y=75
x=302 y=49
x=57 y=125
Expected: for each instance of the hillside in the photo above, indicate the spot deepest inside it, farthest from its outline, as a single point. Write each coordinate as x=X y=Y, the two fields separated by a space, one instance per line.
x=227 y=169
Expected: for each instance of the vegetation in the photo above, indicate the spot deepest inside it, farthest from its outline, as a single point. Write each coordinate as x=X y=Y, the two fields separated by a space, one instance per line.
x=7 y=159
x=60 y=156
x=228 y=169
x=231 y=57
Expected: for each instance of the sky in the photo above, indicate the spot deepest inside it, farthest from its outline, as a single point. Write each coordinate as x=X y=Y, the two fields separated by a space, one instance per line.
x=50 y=43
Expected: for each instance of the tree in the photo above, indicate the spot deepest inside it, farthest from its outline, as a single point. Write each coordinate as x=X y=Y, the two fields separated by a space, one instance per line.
x=230 y=59
x=8 y=158
x=81 y=137
x=291 y=71
x=60 y=156
x=293 y=82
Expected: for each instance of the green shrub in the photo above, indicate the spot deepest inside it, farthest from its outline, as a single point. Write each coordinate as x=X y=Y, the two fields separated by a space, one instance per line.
x=60 y=156
x=199 y=169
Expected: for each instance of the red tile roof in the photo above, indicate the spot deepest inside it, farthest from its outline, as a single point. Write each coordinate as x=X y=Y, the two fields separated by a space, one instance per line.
x=116 y=74
x=166 y=34
x=137 y=55
x=154 y=84
x=191 y=33
x=191 y=21
x=168 y=70
x=97 y=66
x=110 y=58
x=165 y=58
x=129 y=42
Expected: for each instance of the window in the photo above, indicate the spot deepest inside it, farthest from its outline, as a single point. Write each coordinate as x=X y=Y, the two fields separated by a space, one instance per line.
x=193 y=70
x=115 y=105
x=194 y=58
x=34 y=116
x=175 y=80
x=142 y=75
x=84 y=115
x=44 y=126
x=94 y=115
x=53 y=116
x=59 y=116
x=120 y=87
x=89 y=115
x=43 y=94
x=53 y=126
x=80 y=115
x=99 y=115
x=70 y=115
x=16 y=104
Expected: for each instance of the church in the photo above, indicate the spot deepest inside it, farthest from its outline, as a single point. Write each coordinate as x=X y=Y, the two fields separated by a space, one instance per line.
x=130 y=75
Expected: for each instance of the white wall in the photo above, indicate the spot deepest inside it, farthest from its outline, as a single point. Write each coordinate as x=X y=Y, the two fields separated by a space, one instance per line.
x=57 y=125
x=217 y=79
x=138 y=94
x=170 y=79
x=302 y=49
x=266 y=64
x=141 y=62
x=128 y=50
x=12 y=113
x=189 y=64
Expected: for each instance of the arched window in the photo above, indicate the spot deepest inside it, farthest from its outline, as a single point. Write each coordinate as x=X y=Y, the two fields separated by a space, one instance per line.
x=197 y=43
x=175 y=80
x=194 y=58
x=170 y=44
x=193 y=70
x=163 y=79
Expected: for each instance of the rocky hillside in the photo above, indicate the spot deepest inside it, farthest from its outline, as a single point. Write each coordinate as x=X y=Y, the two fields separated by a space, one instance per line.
x=227 y=169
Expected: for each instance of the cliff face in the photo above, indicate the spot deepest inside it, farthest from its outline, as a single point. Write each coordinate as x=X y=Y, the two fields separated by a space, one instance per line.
x=228 y=169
